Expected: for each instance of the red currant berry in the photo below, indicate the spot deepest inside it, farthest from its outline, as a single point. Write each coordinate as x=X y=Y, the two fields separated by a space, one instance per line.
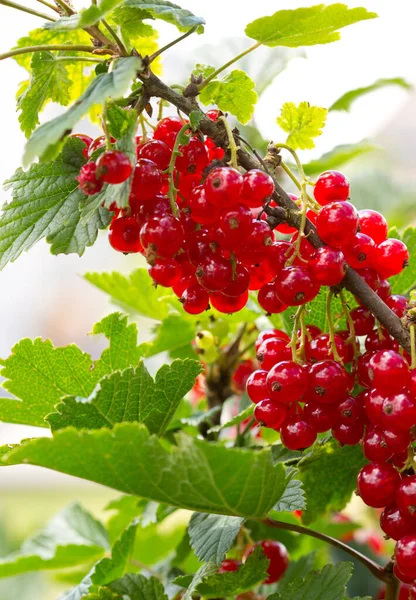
x=223 y=186
x=297 y=433
x=412 y=383
x=389 y=371
x=269 y=334
x=229 y=565
x=213 y=114
x=330 y=187
x=327 y=382
x=398 y=304
x=157 y=206
x=166 y=271
x=375 y=446
x=278 y=559
x=84 y=138
x=373 y=224
x=215 y=273
x=405 y=555
x=397 y=441
x=337 y=223
x=156 y=151
x=239 y=285
x=384 y=289
x=228 y=304
x=199 y=247
x=113 y=167
x=277 y=255
x=363 y=321
x=270 y=414
x=272 y=351
x=307 y=251
x=406 y=496
x=320 y=348
x=392 y=256
x=269 y=300
x=147 y=180
x=349 y=434
x=398 y=412
x=234 y=224
x=322 y=417
x=256 y=386
x=360 y=251
x=201 y=210
x=327 y=266
x=124 y=235
x=89 y=183
x=162 y=236
x=370 y=277
x=195 y=300
x=259 y=275
x=257 y=188
x=374 y=407
x=167 y=129
x=194 y=157
x=379 y=340
x=97 y=144
x=349 y=410
x=295 y=286
x=363 y=366
x=396 y=524
x=283 y=227
x=377 y=484
x=287 y=382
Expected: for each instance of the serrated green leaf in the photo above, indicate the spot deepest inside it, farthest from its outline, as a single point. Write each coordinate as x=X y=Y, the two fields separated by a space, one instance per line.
x=318 y=24
x=211 y=536
x=192 y=582
x=167 y=11
x=70 y=538
x=39 y=375
x=328 y=473
x=49 y=81
x=85 y=18
x=204 y=70
x=293 y=497
x=45 y=204
x=107 y=569
x=338 y=157
x=200 y=476
x=137 y=587
x=281 y=454
x=131 y=395
x=233 y=93
x=195 y=118
x=405 y=281
x=103 y=87
x=130 y=20
x=302 y=123
x=242 y=416
x=328 y=584
x=134 y=293
x=249 y=574
x=345 y=101
x=173 y=334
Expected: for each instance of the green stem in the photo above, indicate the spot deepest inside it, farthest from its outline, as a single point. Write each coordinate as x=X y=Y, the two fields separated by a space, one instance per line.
x=79 y=59
x=290 y=174
x=51 y=6
x=392 y=590
x=232 y=145
x=172 y=190
x=350 y=324
x=65 y=7
x=227 y=64
x=297 y=323
x=108 y=143
x=116 y=38
x=331 y=327
x=25 y=9
x=413 y=344
x=173 y=43
x=374 y=568
x=296 y=157
x=48 y=48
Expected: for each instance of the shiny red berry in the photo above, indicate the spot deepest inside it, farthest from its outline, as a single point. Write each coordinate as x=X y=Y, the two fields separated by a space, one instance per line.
x=88 y=180
x=398 y=304
x=270 y=414
x=272 y=351
x=147 y=180
x=233 y=225
x=228 y=304
x=113 y=167
x=215 y=273
x=322 y=417
x=327 y=266
x=229 y=565
x=373 y=224
x=223 y=186
x=389 y=371
x=395 y=523
x=297 y=433
x=277 y=255
x=363 y=321
x=330 y=187
x=124 y=235
x=167 y=130
x=269 y=300
x=406 y=496
x=348 y=434
x=165 y=271
x=398 y=412
x=278 y=559
x=378 y=484
x=240 y=282
x=337 y=223
x=257 y=188
x=287 y=382
x=360 y=251
x=405 y=555
x=201 y=211
x=268 y=334
x=375 y=446
x=156 y=151
x=391 y=257
x=162 y=236
x=295 y=286
x=256 y=386
x=327 y=382
x=195 y=300
x=193 y=158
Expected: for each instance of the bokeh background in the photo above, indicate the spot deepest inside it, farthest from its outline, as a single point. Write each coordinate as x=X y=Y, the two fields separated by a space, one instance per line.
x=46 y=296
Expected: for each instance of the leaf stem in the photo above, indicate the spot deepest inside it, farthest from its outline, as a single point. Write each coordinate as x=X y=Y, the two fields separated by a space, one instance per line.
x=382 y=574
x=51 y=6
x=79 y=59
x=294 y=339
x=352 y=338
x=65 y=7
x=48 y=48
x=25 y=9
x=231 y=141
x=331 y=326
x=227 y=64
x=153 y=56
x=116 y=38
x=172 y=190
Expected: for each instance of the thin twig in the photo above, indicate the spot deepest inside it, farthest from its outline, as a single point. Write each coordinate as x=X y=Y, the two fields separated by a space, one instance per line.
x=227 y=64
x=51 y=6
x=26 y=9
x=116 y=38
x=48 y=48
x=173 y=43
x=65 y=7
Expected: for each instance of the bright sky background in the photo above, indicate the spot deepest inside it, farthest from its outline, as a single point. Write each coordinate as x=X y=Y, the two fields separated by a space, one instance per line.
x=39 y=288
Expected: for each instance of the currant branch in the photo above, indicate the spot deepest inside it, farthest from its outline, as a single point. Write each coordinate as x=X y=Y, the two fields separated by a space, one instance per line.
x=352 y=281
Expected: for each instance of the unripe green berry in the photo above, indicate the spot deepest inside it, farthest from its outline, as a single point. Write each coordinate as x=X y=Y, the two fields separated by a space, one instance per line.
x=204 y=339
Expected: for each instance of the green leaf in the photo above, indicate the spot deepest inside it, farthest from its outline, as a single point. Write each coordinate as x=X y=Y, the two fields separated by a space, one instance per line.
x=173 y=333
x=233 y=93
x=204 y=70
x=192 y=582
x=318 y=24
x=107 y=569
x=46 y=204
x=39 y=375
x=70 y=538
x=293 y=497
x=135 y=293
x=328 y=473
x=405 y=281
x=137 y=587
x=195 y=474
x=86 y=17
x=167 y=11
x=242 y=416
x=104 y=86
x=130 y=20
x=211 y=536
x=249 y=574
x=302 y=123
x=49 y=81
x=328 y=584
x=338 y=157
x=131 y=395
x=345 y=101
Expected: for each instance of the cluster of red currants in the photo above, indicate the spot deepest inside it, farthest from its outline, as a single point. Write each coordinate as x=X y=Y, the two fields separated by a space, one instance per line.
x=274 y=551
